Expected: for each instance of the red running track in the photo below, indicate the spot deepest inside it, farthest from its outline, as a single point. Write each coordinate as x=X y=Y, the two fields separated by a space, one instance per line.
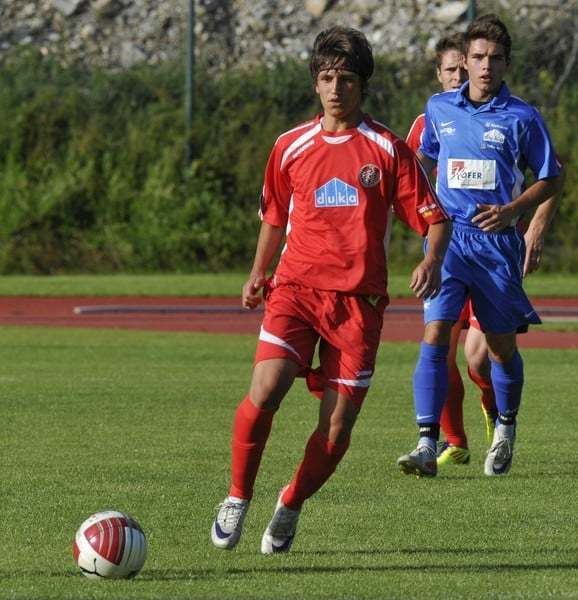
x=402 y=320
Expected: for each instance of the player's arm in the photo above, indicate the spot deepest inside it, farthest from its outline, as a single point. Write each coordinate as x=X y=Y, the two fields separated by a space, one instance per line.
x=494 y=217
x=534 y=236
x=417 y=205
x=270 y=238
x=537 y=229
x=426 y=278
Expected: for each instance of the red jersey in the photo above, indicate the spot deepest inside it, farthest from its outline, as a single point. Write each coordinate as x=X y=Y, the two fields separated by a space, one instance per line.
x=333 y=193
x=413 y=139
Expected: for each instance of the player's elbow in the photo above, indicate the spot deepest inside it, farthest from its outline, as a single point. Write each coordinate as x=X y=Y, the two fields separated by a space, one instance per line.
x=555 y=184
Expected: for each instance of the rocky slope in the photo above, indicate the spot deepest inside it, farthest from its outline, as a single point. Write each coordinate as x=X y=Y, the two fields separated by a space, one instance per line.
x=122 y=33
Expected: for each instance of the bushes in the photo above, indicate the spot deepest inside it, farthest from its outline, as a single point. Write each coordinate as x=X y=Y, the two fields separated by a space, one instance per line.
x=92 y=173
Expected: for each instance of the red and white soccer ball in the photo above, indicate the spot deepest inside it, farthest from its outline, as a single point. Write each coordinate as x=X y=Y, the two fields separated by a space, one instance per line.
x=110 y=545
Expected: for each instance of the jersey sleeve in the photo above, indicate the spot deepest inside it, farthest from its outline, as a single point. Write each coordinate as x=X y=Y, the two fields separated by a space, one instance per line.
x=537 y=148
x=277 y=190
x=430 y=145
x=414 y=200
x=413 y=139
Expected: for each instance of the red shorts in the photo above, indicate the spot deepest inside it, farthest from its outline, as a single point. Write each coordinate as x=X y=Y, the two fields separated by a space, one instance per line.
x=468 y=318
x=347 y=327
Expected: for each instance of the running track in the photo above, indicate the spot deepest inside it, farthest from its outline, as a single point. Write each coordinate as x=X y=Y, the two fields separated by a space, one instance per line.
x=402 y=320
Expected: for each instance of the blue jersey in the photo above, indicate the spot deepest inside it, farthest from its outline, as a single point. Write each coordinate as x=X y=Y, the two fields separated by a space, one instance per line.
x=482 y=152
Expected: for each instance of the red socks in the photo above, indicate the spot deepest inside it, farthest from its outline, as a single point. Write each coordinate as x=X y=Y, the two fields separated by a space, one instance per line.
x=251 y=429
x=452 y=417
x=488 y=398
x=320 y=461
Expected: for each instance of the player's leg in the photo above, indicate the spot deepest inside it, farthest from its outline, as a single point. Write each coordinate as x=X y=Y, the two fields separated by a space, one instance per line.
x=430 y=378
x=286 y=346
x=476 y=352
x=455 y=449
x=507 y=373
x=251 y=428
x=350 y=327
x=323 y=452
x=502 y=308
x=430 y=388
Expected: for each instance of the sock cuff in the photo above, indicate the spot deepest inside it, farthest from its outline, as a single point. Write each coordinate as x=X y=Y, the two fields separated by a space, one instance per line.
x=321 y=442
x=432 y=351
x=509 y=365
x=251 y=411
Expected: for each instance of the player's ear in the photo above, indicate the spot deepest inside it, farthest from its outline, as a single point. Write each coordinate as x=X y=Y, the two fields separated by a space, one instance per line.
x=439 y=74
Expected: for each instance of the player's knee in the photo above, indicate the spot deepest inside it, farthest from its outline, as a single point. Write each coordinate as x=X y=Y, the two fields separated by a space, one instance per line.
x=501 y=347
x=340 y=429
x=271 y=381
x=438 y=333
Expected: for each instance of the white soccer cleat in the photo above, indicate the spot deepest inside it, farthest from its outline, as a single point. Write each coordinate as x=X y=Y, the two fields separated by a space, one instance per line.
x=420 y=462
x=228 y=524
x=501 y=452
x=280 y=532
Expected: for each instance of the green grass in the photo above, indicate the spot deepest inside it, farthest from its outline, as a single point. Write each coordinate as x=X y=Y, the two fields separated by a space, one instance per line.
x=561 y=326
x=216 y=284
x=95 y=419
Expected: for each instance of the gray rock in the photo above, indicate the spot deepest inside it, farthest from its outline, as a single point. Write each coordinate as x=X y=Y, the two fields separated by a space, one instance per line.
x=107 y=8
x=68 y=7
x=131 y=54
x=317 y=7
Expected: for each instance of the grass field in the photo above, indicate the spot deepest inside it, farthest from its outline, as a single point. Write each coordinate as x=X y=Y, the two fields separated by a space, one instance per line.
x=217 y=284
x=140 y=422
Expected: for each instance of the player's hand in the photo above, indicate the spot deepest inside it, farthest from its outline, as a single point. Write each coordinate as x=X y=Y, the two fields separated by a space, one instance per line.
x=426 y=279
x=534 y=248
x=493 y=217
x=251 y=296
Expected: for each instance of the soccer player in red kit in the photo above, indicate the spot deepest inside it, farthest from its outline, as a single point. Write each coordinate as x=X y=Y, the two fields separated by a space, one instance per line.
x=329 y=188
x=451 y=74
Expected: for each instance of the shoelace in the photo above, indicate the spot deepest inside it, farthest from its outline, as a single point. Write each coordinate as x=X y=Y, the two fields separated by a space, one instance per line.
x=284 y=523
x=426 y=452
x=503 y=448
x=230 y=513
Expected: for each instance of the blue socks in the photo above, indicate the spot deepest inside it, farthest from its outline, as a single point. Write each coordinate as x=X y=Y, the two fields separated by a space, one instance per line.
x=430 y=387
x=508 y=380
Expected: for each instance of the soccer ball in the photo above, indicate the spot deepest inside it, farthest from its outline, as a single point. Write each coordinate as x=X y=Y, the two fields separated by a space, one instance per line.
x=110 y=545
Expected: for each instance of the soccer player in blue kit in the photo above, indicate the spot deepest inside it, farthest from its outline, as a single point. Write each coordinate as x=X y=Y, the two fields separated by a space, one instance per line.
x=481 y=138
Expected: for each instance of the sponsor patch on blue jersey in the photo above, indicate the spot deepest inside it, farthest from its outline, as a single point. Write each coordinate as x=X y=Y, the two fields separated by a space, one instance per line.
x=336 y=193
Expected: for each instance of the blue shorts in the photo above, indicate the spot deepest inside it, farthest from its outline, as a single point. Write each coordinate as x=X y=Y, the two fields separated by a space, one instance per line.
x=487 y=266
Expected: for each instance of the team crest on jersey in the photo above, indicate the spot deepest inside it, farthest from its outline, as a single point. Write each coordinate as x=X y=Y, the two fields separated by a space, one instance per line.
x=493 y=135
x=369 y=175
x=336 y=193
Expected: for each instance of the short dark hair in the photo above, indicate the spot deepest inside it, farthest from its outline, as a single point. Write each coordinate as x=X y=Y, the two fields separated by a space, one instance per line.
x=489 y=27
x=343 y=46
x=450 y=42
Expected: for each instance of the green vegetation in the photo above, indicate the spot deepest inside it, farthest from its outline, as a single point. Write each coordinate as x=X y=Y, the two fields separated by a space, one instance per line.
x=141 y=421
x=216 y=284
x=92 y=175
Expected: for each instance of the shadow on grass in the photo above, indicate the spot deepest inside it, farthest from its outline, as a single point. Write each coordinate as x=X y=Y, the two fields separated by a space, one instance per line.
x=268 y=567
x=186 y=574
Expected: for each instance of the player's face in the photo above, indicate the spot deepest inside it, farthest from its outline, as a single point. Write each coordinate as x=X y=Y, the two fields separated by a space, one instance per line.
x=340 y=94
x=486 y=65
x=451 y=73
